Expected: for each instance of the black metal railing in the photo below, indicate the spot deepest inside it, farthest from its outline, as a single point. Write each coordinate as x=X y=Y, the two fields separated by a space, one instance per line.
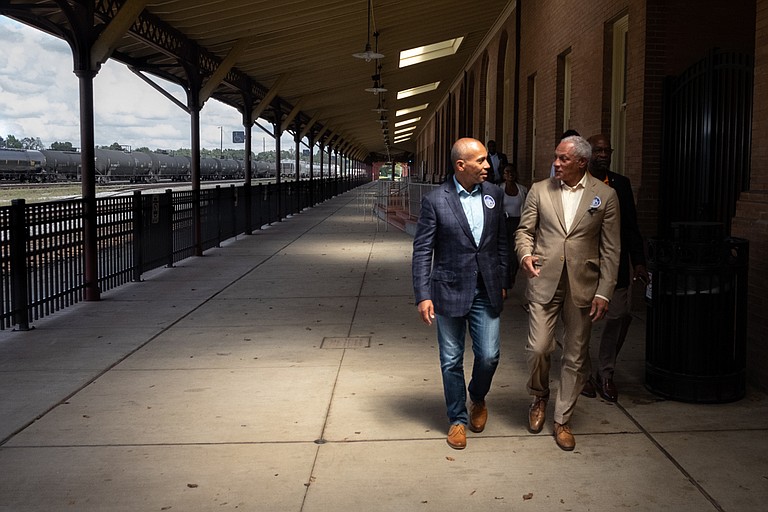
x=41 y=244
x=706 y=140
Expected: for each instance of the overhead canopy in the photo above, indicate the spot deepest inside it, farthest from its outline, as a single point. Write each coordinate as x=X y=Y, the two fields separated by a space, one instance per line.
x=292 y=59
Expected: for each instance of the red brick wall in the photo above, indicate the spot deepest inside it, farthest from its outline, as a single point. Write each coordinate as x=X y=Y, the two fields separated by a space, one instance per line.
x=759 y=176
x=751 y=220
x=548 y=30
x=692 y=32
x=665 y=37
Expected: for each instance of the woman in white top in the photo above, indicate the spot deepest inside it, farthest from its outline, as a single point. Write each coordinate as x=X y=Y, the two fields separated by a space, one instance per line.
x=514 y=199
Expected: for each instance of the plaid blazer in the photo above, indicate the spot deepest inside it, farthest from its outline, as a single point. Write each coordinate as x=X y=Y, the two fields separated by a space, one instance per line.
x=447 y=265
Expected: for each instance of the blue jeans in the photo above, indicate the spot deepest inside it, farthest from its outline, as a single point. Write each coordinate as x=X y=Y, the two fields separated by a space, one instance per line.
x=483 y=325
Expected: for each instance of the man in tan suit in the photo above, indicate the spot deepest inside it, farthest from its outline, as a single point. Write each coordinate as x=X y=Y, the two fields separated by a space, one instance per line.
x=568 y=244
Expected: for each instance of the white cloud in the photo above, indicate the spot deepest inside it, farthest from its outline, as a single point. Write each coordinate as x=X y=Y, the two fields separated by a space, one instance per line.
x=39 y=97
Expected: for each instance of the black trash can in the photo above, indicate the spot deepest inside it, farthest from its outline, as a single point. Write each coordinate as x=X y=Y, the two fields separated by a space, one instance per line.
x=697 y=315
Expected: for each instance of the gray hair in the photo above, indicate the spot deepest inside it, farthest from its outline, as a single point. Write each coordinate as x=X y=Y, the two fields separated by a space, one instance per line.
x=581 y=147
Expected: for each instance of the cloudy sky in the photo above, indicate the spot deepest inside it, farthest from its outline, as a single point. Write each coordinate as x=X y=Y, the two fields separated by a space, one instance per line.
x=39 y=98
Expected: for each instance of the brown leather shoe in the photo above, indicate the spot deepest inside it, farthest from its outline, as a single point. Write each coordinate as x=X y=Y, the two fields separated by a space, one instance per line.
x=589 y=388
x=536 y=414
x=457 y=437
x=607 y=389
x=478 y=415
x=564 y=438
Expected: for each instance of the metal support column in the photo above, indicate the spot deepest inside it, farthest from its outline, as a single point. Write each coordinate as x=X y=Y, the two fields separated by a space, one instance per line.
x=88 y=163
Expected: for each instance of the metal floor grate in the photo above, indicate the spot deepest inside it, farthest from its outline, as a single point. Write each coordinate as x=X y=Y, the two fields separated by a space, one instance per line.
x=354 y=342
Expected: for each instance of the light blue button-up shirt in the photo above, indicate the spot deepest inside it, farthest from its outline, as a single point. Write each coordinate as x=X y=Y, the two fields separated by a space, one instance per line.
x=472 y=204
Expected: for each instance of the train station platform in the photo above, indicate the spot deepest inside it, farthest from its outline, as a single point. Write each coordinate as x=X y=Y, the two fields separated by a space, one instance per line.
x=288 y=371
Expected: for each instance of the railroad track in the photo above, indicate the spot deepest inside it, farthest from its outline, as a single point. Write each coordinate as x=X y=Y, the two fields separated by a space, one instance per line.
x=58 y=191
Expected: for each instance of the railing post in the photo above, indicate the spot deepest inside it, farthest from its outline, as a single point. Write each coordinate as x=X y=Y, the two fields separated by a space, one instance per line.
x=273 y=194
x=279 y=187
x=258 y=193
x=195 y=222
x=299 y=193
x=218 y=215
x=19 y=291
x=233 y=209
x=247 y=207
x=138 y=236
x=311 y=188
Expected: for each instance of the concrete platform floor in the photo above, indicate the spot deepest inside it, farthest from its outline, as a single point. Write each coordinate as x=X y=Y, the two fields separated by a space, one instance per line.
x=288 y=371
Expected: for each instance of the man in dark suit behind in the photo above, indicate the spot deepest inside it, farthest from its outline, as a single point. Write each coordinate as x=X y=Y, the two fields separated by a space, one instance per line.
x=459 y=279
x=497 y=161
x=631 y=268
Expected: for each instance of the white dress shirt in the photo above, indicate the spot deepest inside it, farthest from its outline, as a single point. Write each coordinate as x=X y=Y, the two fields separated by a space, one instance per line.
x=571 y=199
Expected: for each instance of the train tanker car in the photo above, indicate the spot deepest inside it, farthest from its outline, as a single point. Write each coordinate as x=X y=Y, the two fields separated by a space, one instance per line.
x=232 y=169
x=112 y=165
x=143 y=170
x=21 y=165
x=174 y=168
x=210 y=169
x=262 y=169
x=62 y=165
x=135 y=167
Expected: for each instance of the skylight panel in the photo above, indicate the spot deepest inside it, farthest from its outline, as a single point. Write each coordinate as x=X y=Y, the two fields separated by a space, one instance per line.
x=404 y=130
x=411 y=110
x=430 y=52
x=407 y=93
x=408 y=121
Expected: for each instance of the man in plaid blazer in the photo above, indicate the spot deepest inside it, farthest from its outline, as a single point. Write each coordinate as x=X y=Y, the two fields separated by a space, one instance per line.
x=459 y=279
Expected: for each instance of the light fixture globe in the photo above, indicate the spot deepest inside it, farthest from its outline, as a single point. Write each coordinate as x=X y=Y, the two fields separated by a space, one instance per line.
x=376 y=89
x=368 y=55
x=380 y=108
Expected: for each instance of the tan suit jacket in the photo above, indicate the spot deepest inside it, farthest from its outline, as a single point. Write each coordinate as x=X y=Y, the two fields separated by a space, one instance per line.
x=590 y=251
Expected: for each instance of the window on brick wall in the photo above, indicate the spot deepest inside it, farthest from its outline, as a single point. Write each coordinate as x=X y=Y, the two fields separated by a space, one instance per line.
x=531 y=125
x=619 y=92
x=563 y=94
x=502 y=122
x=483 y=99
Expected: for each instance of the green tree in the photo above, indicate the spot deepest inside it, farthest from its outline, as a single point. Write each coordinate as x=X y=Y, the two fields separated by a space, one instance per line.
x=62 y=146
x=32 y=143
x=266 y=156
x=11 y=142
x=2 y=142
x=115 y=146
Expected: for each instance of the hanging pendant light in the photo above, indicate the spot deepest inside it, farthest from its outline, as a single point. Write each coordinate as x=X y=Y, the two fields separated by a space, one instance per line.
x=378 y=87
x=380 y=108
x=368 y=55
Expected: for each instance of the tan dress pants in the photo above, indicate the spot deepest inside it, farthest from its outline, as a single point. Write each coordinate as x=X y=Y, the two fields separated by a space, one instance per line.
x=577 y=327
